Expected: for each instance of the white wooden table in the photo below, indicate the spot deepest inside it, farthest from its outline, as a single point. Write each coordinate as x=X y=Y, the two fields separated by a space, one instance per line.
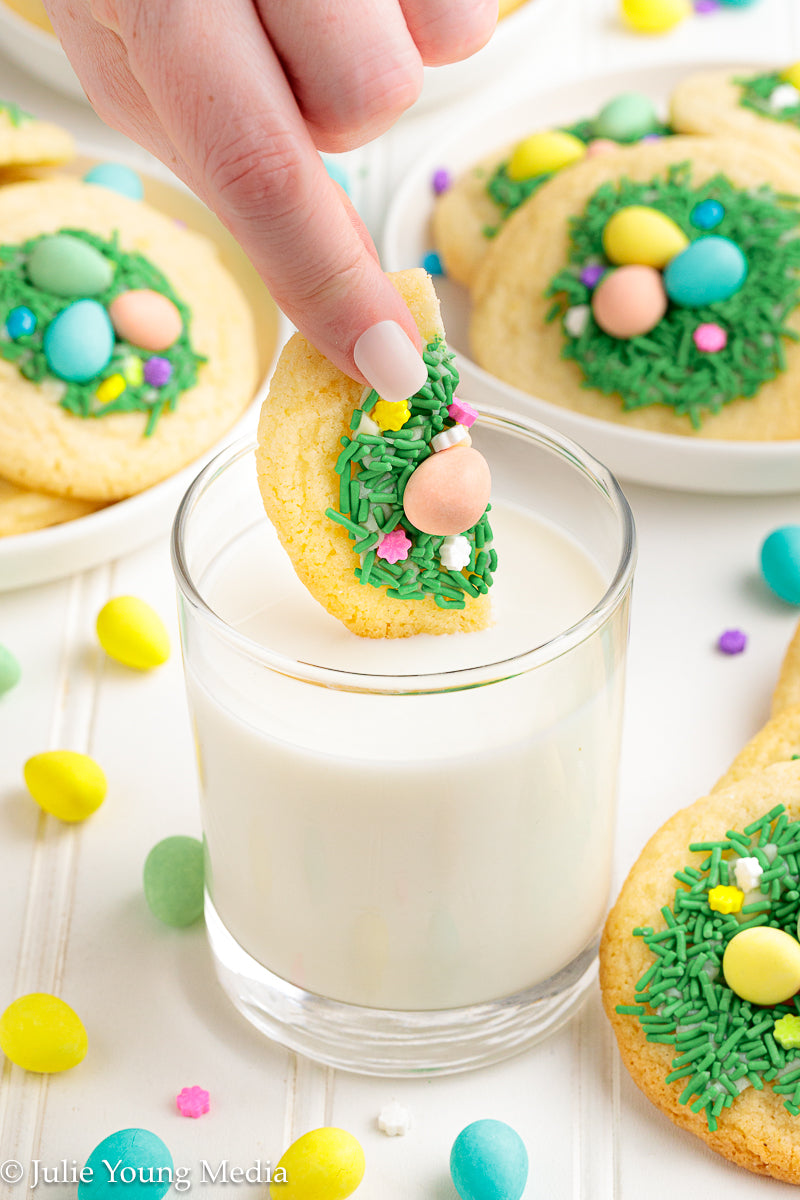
x=73 y=919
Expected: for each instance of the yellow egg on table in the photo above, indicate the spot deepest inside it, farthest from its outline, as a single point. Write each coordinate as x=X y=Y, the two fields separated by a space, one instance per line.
x=39 y=1032
x=66 y=784
x=641 y=235
x=325 y=1164
x=542 y=153
x=792 y=75
x=762 y=965
x=130 y=631
x=654 y=16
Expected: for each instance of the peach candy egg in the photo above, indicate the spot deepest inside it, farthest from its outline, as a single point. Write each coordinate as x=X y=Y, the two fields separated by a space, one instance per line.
x=629 y=301
x=146 y=319
x=600 y=146
x=448 y=492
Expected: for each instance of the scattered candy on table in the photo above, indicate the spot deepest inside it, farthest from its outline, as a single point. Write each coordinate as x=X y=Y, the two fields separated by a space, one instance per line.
x=325 y=1164
x=10 y=670
x=132 y=632
x=174 y=880
x=394 y=1119
x=78 y=342
x=732 y=641
x=762 y=965
x=143 y=1168
x=629 y=301
x=146 y=319
x=40 y=1032
x=68 y=266
x=68 y=785
x=780 y=562
x=117 y=178
x=448 y=492
x=193 y=1101
x=489 y=1162
x=654 y=16
x=637 y=234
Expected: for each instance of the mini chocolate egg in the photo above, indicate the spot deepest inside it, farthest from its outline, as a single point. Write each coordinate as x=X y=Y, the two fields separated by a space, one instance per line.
x=792 y=75
x=489 y=1162
x=39 y=1032
x=146 y=319
x=78 y=342
x=542 y=153
x=133 y=633
x=654 y=16
x=68 y=266
x=65 y=783
x=707 y=271
x=626 y=118
x=780 y=562
x=117 y=178
x=638 y=234
x=10 y=670
x=323 y=1164
x=762 y=965
x=174 y=880
x=599 y=146
x=141 y=1168
x=630 y=301
x=448 y=492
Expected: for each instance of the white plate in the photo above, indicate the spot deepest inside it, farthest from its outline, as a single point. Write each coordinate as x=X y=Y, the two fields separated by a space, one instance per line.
x=36 y=50
x=45 y=554
x=661 y=460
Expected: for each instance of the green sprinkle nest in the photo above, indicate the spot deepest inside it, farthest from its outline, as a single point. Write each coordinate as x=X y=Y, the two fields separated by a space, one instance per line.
x=16 y=115
x=131 y=271
x=373 y=471
x=664 y=366
x=723 y=1044
x=755 y=94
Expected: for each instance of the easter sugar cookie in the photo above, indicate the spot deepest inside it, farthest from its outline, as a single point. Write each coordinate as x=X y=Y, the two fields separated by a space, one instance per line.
x=341 y=473
x=23 y=511
x=754 y=105
x=27 y=141
x=128 y=349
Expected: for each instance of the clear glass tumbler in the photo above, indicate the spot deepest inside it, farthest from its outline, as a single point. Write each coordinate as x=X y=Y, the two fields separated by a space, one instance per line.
x=408 y=868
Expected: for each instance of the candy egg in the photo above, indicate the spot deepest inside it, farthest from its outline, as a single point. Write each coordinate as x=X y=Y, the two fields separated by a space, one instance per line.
x=10 y=670
x=600 y=146
x=78 y=342
x=637 y=234
x=67 y=784
x=132 y=632
x=116 y=178
x=792 y=75
x=325 y=1164
x=142 y=1168
x=707 y=214
x=707 y=271
x=39 y=1032
x=542 y=153
x=489 y=1162
x=762 y=965
x=146 y=319
x=629 y=302
x=780 y=562
x=626 y=118
x=173 y=881
x=20 y=322
x=654 y=16
x=68 y=266
x=449 y=491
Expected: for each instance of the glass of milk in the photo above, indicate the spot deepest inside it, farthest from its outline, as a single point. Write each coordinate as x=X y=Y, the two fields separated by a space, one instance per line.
x=409 y=842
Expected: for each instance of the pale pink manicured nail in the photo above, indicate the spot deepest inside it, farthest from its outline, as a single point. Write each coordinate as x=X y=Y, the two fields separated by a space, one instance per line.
x=388 y=361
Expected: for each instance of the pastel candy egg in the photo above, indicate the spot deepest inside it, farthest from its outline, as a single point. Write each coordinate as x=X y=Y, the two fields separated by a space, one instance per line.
x=599 y=146
x=542 y=153
x=142 y=1168
x=68 y=266
x=66 y=784
x=707 y=271
x=325 y=1164
x=629 y=302
x=146 y=319
x=792 y=75
x=78 y=342
x=762 y=965
x=654 y=16
x=132 y=632
x=173 y=881
x=39 y=1032
x=10 y=670
x=626 y=118
x=707 y=214
x=637 y=234
x=117 y=178
x=20 y=322
x=489 y=1162
x=780 y=562
x=449 y=491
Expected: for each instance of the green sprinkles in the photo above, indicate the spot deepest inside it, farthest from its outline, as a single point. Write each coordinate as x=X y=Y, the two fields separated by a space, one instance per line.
x=755 y=93
x=664 y=366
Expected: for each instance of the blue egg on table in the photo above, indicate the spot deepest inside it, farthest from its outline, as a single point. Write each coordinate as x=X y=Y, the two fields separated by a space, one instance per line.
x=707 y=271
x=78 y=342
x=140 y=1167
x=116 y=178
x=489 y=1162
x=20 y=321
x=780 y=562
x=707 y=214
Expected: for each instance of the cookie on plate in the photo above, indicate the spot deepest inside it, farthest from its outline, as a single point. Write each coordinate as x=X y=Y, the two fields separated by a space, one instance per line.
x=335 y=465
x=22 y=511
x=27 y=141
x=128 y=348
x=754 y=105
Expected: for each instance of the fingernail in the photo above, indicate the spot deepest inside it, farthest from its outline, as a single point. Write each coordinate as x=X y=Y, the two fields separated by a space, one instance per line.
x=388 y=361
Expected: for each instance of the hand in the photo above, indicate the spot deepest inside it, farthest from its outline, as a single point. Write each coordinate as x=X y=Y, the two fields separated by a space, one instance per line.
x=237 y=97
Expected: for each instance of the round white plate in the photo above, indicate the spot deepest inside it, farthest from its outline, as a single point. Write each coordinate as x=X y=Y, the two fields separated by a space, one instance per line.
x=661 y=460
x=45 y=554
x=36 y=49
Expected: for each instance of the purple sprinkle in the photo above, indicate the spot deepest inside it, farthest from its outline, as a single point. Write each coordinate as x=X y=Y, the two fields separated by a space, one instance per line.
x=732 y=641
x=651 y=137
x=705 y=6
x=157 y=371
x=591 y=276
x=441 y=180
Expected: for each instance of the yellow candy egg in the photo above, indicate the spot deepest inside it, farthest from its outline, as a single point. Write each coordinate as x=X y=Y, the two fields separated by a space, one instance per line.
x=654 y=16
x=66 y=784
x=542 y=153
x=41 y=1033
x=325 y=1164
x=133 y=633
x=762 y=965
x=641 y=235
x=792 y=75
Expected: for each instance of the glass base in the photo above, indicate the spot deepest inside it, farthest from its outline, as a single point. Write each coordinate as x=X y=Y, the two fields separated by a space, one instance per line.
x=378 y=1041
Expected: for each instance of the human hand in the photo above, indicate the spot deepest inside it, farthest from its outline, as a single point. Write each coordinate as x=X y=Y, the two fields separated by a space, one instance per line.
x=237 y=97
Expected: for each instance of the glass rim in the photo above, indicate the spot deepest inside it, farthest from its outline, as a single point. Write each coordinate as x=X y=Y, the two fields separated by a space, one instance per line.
x=458 y=679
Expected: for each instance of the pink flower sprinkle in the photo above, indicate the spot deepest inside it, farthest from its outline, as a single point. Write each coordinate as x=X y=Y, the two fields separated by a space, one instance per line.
x=394 y=546
x=710 y=338
x=192 y=1101
x=462 y=412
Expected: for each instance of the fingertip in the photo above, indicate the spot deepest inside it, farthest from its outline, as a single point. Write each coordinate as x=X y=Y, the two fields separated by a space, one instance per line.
x=389 y=361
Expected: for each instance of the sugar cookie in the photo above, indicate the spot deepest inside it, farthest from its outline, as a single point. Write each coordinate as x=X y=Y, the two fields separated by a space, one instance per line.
x=711 y=103
x=23 y=511
x=27 y=141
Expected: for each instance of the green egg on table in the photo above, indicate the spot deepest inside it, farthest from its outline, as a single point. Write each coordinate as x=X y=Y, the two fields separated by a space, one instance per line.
x=40 y=1032
x=10 y=670
x=174 y=880
x=132 y=632
x=66 y=784
x=325 y=1164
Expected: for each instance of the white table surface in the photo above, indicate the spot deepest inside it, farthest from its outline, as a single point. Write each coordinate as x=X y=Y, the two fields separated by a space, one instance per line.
x=73 y=916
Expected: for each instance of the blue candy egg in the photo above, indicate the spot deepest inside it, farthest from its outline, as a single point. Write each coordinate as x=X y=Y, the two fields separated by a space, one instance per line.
x=20 y=321
x=707 y=214
x=489 y=1162
x=708 y=270
x=116 y=178
x=432 y=263
x=139 y=1167
x=78 y=342
x=780 y=562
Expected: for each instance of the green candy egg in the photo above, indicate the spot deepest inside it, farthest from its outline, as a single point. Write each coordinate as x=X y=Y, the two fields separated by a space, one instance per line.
x=10 y=670
x=626 y=118
x=68 y=266
x=173 y=881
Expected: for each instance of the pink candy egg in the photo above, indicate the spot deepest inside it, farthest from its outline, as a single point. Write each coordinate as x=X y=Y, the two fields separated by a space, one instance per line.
x=600 y=146
x=449 y=491
x=629 y=301
x=145 y=319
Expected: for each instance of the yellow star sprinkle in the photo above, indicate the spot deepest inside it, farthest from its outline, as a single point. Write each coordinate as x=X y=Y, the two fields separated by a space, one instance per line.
x=110 y=388
x=726 y=899
x=390 y=415
x=787 y=1032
